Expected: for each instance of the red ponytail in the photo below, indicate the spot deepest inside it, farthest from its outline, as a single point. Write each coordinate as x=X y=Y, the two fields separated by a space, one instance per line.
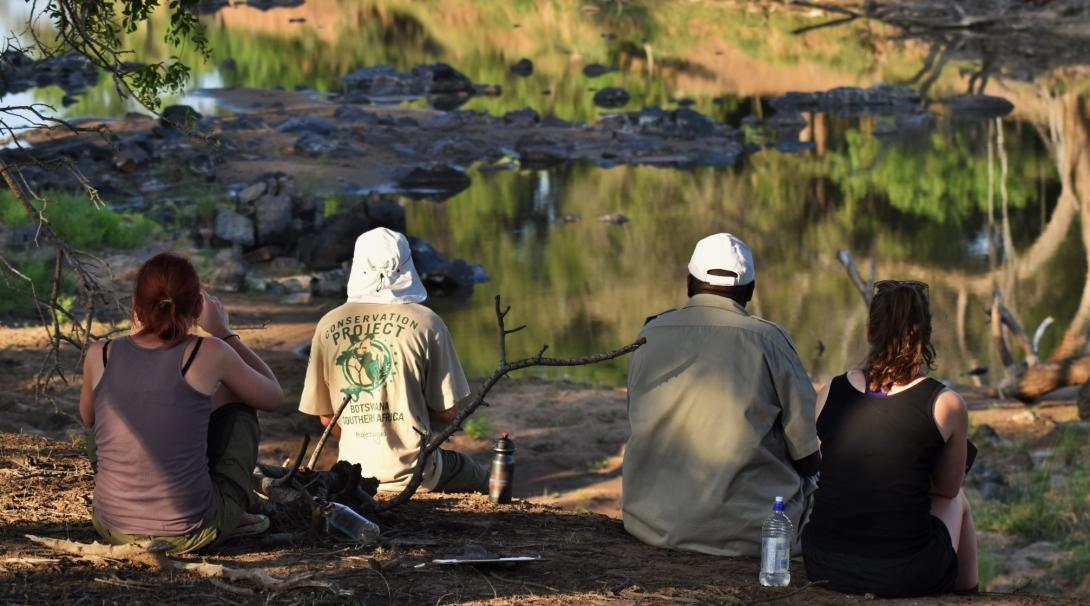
x=167 y=298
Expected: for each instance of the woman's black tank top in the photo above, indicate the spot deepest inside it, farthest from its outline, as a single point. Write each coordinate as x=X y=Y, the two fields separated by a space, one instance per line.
x=878 y=455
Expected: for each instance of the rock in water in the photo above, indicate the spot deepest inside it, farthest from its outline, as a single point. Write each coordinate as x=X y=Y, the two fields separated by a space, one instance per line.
x=523 y=67
x=611 y=97
x=980 y=107
x=443 y=79
x=307 y=124
x=179 y=116
x=437 y=181
x=596 y=69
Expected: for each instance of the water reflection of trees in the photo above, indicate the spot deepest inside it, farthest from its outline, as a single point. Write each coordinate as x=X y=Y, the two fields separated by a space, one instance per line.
x=596 y=283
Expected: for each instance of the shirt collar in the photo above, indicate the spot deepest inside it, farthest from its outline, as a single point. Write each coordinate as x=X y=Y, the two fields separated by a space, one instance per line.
x=724 y=303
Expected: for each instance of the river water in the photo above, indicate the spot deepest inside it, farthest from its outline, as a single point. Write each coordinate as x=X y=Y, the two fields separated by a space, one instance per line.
x=968 y=206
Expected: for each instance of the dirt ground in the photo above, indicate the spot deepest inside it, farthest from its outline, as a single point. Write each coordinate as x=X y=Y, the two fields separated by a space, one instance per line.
x=569 y=439
x=585 y=558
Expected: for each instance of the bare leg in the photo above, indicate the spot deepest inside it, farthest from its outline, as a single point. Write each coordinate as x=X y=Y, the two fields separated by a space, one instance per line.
x=957 y=517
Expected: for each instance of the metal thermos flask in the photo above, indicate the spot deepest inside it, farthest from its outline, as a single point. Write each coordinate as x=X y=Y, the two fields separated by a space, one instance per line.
x=502 y=475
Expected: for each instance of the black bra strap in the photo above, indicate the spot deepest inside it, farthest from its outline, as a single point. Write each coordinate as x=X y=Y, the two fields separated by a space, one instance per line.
x=192 y=354
x=105 y=346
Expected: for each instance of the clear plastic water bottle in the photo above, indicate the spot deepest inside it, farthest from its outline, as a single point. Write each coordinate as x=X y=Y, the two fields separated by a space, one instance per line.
x=352 y=524
x=776 y=537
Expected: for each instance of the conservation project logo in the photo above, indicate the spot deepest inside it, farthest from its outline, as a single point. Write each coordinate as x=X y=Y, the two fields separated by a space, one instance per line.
x=367 y=364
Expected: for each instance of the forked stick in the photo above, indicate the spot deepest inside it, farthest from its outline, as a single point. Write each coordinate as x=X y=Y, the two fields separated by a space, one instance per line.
x=429 y=446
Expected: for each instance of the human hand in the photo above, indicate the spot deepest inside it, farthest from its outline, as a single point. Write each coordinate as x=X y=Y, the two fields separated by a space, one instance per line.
x=213 y=318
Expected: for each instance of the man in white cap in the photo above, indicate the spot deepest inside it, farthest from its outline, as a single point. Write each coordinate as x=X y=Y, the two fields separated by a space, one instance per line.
x=395 y=360
x=722 y=416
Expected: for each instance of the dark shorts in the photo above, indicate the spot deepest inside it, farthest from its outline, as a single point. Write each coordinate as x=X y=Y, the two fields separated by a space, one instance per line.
x=930 y=571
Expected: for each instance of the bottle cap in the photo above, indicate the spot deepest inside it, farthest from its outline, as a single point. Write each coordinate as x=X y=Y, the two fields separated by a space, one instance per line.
x=504 y=444
x=777 y=505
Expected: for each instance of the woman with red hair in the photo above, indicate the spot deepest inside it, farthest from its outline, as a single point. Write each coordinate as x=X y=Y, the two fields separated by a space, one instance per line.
x=174 y=419
x=889 y=515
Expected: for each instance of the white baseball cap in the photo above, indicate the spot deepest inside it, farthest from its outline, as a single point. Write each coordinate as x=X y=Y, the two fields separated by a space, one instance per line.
x=725 y=252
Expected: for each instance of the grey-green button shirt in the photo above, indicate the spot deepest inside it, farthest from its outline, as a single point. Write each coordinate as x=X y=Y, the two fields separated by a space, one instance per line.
x=719 y=404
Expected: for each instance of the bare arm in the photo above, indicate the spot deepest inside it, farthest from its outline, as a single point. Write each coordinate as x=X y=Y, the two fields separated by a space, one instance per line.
x=245 y=376
x=86 y=394
x=326 y=419
x=952 y=419
x=444 y=417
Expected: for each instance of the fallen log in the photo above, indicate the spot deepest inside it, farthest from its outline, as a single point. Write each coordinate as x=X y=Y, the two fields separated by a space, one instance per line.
x=1046 y=377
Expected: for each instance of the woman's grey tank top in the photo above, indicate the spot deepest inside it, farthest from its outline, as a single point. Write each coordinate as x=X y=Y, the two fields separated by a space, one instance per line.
x=151 y=432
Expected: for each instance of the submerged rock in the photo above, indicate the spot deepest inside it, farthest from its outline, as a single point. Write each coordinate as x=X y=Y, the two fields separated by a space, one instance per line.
x=72 y=72
x=439 y=274
x=523 y=67
x=980 y=107
x=596 y=69
x=851 y=100
x=611 y=97
x=433 y=181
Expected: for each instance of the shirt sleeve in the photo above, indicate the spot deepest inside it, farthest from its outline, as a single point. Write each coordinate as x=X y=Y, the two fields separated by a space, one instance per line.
x=445 y=384
x=797 y=401
x=315 y=397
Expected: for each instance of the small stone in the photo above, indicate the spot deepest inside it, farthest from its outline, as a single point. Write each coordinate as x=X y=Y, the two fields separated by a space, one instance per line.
x=333 y=282
x=253 y=192
x=263 y=254
x=234 y=228
x=298 y=298
x=1027 y=417
x=253 y=283
x=228 y=270
x=294 y=284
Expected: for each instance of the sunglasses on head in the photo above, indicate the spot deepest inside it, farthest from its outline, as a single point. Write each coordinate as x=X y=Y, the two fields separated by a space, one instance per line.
x=916 y=285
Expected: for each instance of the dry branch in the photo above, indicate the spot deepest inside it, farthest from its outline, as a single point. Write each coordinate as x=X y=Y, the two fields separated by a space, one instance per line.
x=154 y=556
x=864 y=287
x=429 y=444
x=325 y=434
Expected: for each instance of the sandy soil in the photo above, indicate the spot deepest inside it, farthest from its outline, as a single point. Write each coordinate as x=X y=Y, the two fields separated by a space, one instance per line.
x=570 y=441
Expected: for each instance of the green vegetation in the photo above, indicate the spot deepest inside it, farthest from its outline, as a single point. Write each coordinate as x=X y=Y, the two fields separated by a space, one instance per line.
x=1049 y=504
x=479 y=426
x=80 y=222
x=16 y=294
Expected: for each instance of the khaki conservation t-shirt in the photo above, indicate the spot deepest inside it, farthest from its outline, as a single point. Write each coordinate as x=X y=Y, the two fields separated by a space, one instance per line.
x=394 y=362
x=719 y=405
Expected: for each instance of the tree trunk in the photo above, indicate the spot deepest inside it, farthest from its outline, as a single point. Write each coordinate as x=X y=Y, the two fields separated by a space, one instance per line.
x=1049 y=376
